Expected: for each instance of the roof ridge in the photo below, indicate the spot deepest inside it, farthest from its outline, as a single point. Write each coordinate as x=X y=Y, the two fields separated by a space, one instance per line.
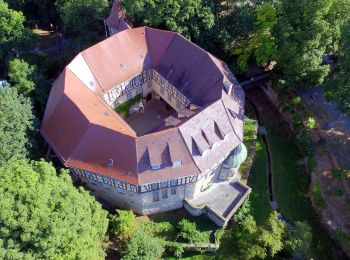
x=92 y=72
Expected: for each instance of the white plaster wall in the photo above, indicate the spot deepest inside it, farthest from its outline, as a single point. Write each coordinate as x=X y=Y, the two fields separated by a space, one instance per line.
x=141 y=203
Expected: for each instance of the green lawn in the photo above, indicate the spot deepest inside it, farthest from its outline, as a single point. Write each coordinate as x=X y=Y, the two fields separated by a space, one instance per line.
x=291 y=186
x=249 y=141
x=258 y=181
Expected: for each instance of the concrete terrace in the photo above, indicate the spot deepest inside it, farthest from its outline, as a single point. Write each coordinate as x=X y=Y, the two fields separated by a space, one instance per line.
x=219 y=202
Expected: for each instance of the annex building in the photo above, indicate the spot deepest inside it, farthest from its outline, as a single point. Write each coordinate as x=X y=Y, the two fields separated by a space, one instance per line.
x=151 y=122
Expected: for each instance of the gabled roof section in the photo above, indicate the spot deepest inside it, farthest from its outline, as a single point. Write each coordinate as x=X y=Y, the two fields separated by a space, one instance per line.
x=189 y=69
x=119 y=57
x=163 y=148
x=158 y=42
x=200 y=133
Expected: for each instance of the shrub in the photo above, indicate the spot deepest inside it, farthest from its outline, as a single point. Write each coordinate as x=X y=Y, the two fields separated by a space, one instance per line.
x=296 y=101
x=123 y=224
x=242 y=212
x=218 y=235
x=337 y=174
x=310 y=123
x=142 y=246
x=304 y=142
x=316 y=193
x=189 y=232
x=124 y=108
x=339 y=191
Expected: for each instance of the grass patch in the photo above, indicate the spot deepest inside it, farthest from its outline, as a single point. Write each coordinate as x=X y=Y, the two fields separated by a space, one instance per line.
x=258 y=181
x=249 y=141
x=291 y=186
x=316 y=194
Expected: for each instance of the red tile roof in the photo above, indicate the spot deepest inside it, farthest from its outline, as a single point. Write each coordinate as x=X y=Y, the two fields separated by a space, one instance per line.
x=86 y=133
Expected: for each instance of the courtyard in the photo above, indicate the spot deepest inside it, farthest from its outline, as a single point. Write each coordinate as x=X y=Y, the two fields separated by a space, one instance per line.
x=151 y=118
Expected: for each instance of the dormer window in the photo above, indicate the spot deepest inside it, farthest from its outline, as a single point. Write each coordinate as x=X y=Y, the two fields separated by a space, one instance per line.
x=155 y=167
x=177 y=163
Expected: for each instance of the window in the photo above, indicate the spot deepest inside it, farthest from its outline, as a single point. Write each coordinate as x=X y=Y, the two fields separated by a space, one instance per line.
x=155 y=196
x=169 y=97
x=178 y=104
x=177 y=163
x=155 y=186
x=173 y=182
x=129 y=95
x=155 y=167
x=139 y=90
x=173 y=190
x=165 y=194
x=162 y=90
x=164 y=184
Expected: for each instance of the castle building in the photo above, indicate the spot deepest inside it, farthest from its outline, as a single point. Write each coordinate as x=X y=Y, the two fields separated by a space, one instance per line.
x=151 y=122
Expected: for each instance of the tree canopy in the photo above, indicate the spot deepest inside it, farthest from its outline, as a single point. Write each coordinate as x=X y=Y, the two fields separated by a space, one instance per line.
x=142 y=246
x=83 y=20
x=260 y=241
x=301 y=37
x=13 y=34
x=16 y=120
x=43 y=216
x=20 y=74
x=188 y=17
x=338 y=88
x=123 y=224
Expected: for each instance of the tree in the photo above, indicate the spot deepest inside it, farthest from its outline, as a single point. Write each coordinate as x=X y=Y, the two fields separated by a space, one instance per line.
x=83 y=20
x=43 y=216
x=301 y=37
x=337 y=89
x=188 y=17
x=338 y=14
x=142 y=246
x=16 y=120
x=123 y=224
x=260 y=241
x=248 y=245
x=262 y=43
x=272 y=236
x=299 y=239
x=13 y=34
x=21 y=76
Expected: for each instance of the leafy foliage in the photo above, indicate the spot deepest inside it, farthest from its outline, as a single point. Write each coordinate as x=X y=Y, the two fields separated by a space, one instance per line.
x=82 y=20
x=143 y=246
x=188 y=17
x=13 y=34
x=20 y=74
x=262 y=44
x=44 y=216
x=123 y=224
x=242 y=212
x=301 y=37
x=16 y=119
x=338 y=88
x=256 y=241
x=299 y=239
x=189 y=232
